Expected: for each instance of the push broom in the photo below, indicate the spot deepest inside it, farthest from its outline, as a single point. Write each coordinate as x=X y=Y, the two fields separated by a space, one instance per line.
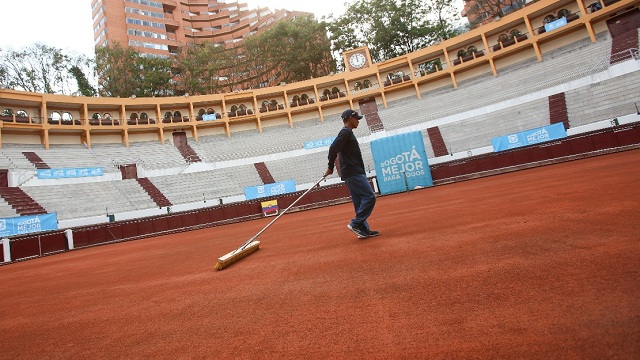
x=252 y=245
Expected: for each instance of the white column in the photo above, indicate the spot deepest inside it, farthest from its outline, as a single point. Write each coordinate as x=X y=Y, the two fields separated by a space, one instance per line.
x=6 y=249
x=69 y=234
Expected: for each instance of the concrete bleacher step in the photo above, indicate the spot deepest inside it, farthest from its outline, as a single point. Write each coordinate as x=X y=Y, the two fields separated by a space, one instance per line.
x=155 y=193
x=621 y=44
x=188 y=153
x=437 y=142
x=558 y=109
x=265 y=174
x=35 y=160
x=21 y=201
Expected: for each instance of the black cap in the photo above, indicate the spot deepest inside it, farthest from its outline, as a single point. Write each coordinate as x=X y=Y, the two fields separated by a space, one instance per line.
x=349 y=113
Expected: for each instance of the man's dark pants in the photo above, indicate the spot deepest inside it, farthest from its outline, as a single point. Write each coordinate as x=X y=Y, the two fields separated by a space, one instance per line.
x=363 y=197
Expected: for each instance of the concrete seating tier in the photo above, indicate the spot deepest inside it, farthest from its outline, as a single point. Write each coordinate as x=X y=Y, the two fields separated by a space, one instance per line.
x=58 y=156
x=6 y=211
x=13 y=152
x=71 y=201
x=273 y=140
x=148 y=154
x=309 y=168
x=604 y=100
x=477 y=132
x=559 y=66
x=5 y=161
x=303 y=169
x=214 y=184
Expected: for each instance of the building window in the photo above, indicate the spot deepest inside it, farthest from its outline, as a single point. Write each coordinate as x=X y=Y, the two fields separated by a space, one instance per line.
x=147 y=45
x=146 y=2
x=149 y=34
x=144 y=12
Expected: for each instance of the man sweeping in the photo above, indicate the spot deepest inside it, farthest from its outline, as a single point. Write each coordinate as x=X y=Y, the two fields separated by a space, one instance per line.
x=352 y=172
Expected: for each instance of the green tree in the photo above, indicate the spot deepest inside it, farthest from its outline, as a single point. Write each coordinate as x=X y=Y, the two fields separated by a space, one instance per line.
x=37 y=68
x=197 y=69
x=444 y=16
x=84 y=87
x=291 y=50
x=392 y=28
x=117 y=71
x=234 y=71
x=123 y=72
x=155 y=77
x=4 y=76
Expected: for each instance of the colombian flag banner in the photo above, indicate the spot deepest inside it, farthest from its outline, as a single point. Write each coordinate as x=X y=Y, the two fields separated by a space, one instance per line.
x=270 y=208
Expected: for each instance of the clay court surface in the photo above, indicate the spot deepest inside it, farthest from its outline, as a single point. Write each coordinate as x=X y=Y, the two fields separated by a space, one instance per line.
x=541 y=263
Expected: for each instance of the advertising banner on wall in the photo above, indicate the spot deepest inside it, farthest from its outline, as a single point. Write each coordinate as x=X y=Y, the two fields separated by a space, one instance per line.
x=529 y=137
x=319 y=143
x=69 y=173
x=401 y=163
x=256 y=192
x=555 y=24
x=28 y=224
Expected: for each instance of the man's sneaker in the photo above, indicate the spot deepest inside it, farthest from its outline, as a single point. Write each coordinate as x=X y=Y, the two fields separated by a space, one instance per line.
x=360 y=231
x=373 y=233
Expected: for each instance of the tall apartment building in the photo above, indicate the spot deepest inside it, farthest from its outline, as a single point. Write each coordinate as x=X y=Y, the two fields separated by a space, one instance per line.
x=161 y=27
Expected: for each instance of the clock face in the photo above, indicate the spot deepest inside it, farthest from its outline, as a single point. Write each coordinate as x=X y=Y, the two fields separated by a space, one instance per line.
x=357 y=60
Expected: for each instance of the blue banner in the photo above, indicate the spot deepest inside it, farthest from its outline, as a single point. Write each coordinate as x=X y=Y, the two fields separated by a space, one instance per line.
x=256 y=192
x=69 y=173
x=529 y=137
x=209 y=117
x=28 y=224
x=319 y=143
x=401 y=162
x=555 y=24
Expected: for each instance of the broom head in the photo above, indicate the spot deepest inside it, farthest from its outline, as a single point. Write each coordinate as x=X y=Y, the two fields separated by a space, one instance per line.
x=236 y=255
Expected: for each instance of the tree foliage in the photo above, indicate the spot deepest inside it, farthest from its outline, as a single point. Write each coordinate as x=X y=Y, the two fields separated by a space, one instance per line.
x=84 y=87
x=197 y=69
x=122 y=72
x=155 y=77
x=392 y=28
x=116 y=70
x=41 y=68
x=298 y=49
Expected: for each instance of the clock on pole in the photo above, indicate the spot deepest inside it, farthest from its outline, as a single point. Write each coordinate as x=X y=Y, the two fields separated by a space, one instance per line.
x=356 y=59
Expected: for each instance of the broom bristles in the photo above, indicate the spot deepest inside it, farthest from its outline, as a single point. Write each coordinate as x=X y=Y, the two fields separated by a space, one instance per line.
x=236 y=255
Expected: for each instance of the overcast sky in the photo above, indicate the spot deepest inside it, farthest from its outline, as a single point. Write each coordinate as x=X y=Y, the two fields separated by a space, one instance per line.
x=67 y=24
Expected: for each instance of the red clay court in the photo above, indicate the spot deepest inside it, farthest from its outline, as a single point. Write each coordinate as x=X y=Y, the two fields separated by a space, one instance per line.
x=539 y=263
